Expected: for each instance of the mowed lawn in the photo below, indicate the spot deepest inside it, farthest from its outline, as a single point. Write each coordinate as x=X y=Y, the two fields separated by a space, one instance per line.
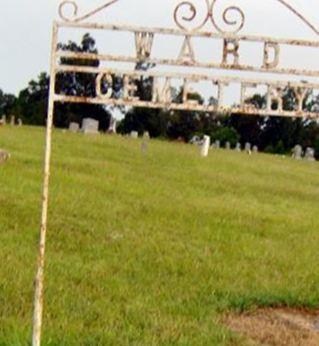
x=152 y=249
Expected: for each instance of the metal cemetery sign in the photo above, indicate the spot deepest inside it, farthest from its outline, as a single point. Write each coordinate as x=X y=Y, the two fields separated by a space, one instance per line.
x=184 y=68
x=186 y=56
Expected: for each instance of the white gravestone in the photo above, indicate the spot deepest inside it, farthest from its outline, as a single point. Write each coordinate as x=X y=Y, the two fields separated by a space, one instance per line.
x=146 y=135
x=90 y=126
x=227 y=146
x=20 y=122
x=3 y=120
x=196 y=141
x=144 y=145
x=217 y=144
x=310 y=154
x=297 y=152
x=255 y=149
x=248 y=148
x=238 y=147
x=134 y=134
x=13 y=120
x=205 y=146
x=74 y=127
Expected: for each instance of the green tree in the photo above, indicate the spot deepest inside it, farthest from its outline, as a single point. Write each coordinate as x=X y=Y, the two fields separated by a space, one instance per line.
x=7 y=103
x=31 y=105
x=32 y=102
x=226 y=134
x=79 y=84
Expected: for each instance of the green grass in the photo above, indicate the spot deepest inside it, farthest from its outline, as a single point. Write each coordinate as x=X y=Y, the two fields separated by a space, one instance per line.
x=152 y=249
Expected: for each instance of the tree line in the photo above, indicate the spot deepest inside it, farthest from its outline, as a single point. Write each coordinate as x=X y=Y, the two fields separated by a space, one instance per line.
x=270 y=134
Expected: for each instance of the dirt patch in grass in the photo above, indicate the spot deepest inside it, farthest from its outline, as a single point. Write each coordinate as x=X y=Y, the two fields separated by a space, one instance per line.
x=277 y=327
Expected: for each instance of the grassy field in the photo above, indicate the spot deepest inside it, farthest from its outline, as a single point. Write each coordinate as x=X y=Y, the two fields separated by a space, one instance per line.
x=152 y=249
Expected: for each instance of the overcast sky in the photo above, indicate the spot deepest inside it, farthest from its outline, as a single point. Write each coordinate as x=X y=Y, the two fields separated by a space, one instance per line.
x=25 y=27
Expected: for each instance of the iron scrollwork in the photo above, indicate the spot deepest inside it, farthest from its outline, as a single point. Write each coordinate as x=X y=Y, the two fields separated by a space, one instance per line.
x=75 y=17
x=186 y=13
x=233 y=16
x=228 y=16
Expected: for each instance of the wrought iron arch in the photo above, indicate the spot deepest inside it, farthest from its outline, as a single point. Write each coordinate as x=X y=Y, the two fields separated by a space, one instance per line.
x=230 y=11
x=232 y=16
x=190 y=6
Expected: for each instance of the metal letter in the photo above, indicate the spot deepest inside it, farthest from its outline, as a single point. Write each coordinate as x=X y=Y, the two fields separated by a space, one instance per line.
x=143 y=44
x=162 y=94
x=274 y=94
x=231 y=47
x=129 y=89
x=186 y=91
x=221 y=87
x=243 y=95
x=301 y=94
x=187 y=54
x=276 y=49
x=109 y=80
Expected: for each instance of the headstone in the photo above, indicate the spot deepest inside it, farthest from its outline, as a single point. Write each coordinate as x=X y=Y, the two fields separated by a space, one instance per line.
x=112 y=127
x=205 y=146
x=238 y=147
x=196 y=140
x=20 y=123
x=255 y=149
x=310 y=154
x=74 y=127
x=4 y=156
x=90 y=126
x=297 y=152
x=13 y=120
x=3 y=120
x=217 y=144
x=144 y=145
x=134 y=134
x=146 y=135
x=228 y=146
x=248 y=147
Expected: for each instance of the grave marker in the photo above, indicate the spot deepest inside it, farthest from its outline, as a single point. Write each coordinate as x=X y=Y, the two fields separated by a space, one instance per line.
x=90 y=126
x=297 y=152
x=310 y=154
x=248 y=148
x=74 y=127
x=134 y=134
x=205 y=146
x=3 y=120
x=145 y=142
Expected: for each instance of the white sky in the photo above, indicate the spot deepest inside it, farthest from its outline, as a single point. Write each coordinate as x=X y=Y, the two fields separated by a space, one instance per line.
x=25 y=27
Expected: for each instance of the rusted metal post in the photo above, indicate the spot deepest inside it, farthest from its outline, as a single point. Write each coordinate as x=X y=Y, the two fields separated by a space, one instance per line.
x=38 y=297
